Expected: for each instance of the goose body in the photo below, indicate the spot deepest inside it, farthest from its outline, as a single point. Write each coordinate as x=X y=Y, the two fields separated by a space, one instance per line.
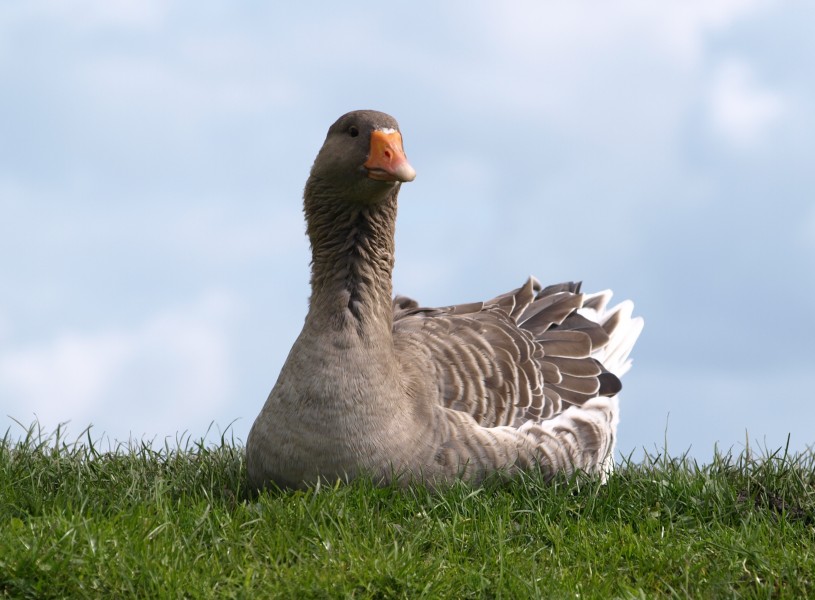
x=382 y=387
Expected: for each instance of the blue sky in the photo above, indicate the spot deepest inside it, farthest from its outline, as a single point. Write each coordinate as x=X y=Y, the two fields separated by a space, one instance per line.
x=152 y=157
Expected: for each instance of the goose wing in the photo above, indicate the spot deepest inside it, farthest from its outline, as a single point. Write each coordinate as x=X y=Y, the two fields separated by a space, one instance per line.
x=524 y=356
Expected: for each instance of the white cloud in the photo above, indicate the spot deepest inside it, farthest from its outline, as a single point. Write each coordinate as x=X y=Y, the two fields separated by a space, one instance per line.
x=5 y=327
x=86 y=15
x=576 y=40
x=170 y=374
x=676 y=28
x=619 y=76
x=808 y=229
x=741 y=110
x=215 y=235
x=128 y=58
x=187 y=83
x=129 y=13
x=69 y=374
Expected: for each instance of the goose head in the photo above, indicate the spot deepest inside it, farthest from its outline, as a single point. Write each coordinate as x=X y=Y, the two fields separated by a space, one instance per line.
x=363 y=159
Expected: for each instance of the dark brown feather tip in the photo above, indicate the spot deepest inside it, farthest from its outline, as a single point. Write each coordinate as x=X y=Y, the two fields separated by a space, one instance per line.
x=610 y=384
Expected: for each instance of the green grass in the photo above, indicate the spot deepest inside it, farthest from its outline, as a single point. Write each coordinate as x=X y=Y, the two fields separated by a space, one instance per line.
x=131 y=521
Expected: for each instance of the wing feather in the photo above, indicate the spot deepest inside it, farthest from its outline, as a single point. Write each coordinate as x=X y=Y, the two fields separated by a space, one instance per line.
x=516 y=358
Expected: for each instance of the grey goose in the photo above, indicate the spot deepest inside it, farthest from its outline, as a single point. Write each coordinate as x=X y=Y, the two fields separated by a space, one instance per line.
x=382 y=387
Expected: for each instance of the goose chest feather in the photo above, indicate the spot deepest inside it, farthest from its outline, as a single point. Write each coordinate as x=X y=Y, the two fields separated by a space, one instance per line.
x=382 y=387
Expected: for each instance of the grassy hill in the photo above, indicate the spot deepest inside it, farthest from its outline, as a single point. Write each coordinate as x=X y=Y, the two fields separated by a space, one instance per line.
x=77 y=522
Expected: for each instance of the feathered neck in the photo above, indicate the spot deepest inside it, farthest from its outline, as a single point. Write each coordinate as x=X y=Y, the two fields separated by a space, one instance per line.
x=352 y=247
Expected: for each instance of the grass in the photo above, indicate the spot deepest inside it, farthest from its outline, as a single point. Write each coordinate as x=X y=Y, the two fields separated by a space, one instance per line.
x=132 y=521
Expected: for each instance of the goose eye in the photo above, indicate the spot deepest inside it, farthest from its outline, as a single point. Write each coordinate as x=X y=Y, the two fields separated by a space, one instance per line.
x=353 y=131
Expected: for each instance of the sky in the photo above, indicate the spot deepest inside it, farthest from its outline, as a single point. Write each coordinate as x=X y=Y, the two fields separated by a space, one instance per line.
x=153 y=262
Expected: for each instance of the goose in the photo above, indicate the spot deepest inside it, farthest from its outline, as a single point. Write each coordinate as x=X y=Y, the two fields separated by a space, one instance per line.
x=382 y=387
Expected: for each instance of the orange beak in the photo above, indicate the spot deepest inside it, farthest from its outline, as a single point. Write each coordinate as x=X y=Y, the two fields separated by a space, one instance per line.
x=386 y=159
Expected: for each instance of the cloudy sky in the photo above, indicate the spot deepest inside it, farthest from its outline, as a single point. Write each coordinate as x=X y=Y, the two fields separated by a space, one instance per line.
x=154 y=268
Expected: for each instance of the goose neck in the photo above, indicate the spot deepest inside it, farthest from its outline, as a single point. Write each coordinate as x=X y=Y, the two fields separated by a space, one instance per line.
x=352 y=248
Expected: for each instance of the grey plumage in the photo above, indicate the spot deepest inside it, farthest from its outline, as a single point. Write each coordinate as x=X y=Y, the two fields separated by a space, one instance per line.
x=394 y=390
